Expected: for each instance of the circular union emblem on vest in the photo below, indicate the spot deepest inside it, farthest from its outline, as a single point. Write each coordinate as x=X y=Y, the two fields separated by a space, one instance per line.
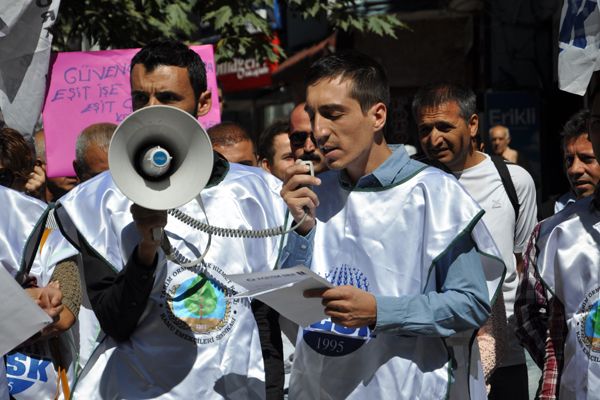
x=588 y=325
x=334 y=340
x=194 y=304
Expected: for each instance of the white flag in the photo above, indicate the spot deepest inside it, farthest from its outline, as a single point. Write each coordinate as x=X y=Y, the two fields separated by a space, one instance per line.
x=24 y=56
x=579 y=45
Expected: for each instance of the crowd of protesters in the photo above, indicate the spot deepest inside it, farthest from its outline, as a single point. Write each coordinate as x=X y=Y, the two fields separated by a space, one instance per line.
x=442 y=276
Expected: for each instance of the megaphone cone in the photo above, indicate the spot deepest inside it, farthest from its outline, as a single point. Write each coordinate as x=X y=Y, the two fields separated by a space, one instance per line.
x=160 y=157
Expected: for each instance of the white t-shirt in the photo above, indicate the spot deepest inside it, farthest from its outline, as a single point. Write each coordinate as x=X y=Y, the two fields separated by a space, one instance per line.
x=484 y=184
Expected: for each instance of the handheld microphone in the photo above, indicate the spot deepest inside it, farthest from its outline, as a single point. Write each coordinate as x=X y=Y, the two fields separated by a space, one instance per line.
x=311 y=171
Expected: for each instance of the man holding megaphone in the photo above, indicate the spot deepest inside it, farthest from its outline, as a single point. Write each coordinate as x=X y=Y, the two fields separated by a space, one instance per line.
x=172 y=330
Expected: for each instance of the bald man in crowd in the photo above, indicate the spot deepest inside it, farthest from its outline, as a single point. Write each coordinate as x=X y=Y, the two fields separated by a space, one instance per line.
x=233 y=142
x=500 y=138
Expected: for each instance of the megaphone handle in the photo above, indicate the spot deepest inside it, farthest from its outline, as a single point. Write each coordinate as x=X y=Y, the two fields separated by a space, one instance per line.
x=157 y=234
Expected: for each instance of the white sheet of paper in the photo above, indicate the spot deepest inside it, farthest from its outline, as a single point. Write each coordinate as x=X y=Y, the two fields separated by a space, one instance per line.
x=283 y=289
x=20 y=316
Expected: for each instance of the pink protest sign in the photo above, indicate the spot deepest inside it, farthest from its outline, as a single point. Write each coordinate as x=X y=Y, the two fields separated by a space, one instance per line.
x=93 y=86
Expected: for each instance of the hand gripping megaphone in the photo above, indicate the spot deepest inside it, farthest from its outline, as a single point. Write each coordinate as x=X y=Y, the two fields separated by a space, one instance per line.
x=160 y=157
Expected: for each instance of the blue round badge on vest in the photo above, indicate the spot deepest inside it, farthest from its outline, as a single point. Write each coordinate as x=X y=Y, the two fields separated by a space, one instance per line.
x=333 y=340
x=332 y=345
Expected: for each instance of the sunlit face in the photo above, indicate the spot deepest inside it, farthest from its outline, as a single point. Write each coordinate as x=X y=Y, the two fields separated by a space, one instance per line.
x=302 y=140
x=345 y=135
x=241 y=152
x=282 y=156
x=500 y=140
x=96 y=161
x=445 y=136
x=165 y=85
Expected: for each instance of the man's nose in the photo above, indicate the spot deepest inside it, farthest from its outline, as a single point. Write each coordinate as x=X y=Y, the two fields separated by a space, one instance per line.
x=576 y=168
x=435 y=137
x=319 y=134
x=309 y=143
x=153 y=101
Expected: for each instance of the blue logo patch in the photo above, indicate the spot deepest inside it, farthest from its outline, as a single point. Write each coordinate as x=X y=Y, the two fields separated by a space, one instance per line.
x=23 y=371
x=16 y=386
x=333 y=340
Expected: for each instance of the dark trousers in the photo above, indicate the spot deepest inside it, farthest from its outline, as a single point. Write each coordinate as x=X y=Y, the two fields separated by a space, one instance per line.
x=509 y=383
x=267 y=321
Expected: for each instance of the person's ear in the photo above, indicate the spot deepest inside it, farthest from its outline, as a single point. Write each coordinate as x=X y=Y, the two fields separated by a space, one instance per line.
x=379 y=113
x=79 y=171
x=204 y=103
x=264 y=164
x=473 y=125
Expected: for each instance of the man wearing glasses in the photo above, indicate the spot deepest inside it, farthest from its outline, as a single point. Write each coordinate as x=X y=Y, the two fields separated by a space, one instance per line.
x=302 y=139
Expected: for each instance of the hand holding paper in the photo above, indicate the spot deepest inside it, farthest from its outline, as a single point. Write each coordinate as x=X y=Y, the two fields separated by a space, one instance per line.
x=283 y=290
x=347 y=305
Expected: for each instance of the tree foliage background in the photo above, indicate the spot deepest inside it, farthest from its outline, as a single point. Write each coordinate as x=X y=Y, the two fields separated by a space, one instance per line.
x=238 y=27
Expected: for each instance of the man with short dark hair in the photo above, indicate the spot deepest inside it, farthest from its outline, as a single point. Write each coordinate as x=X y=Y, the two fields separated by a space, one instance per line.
x=447 y=125
x=172 y=330
x=409 y=285
x=559 y=293
x=581 y=167
x=274 y=151
x=302 y=139
x=233 y=142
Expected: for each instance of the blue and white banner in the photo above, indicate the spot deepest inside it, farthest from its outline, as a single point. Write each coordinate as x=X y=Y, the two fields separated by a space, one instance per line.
x=579 y=45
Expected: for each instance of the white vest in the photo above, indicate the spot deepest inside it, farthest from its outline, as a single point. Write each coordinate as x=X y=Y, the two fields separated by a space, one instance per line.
x=386 y=242
x=36 y=362
x=24 y=219
x=569 y=264
x=191 y=341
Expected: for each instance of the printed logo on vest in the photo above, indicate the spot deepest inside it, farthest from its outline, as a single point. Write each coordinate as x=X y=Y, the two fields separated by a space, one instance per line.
x=588 y=325
x=334 y=340
x=23 y=372
x=195 y=306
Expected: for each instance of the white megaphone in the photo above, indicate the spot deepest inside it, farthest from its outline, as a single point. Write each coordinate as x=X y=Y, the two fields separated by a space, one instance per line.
x=160 y=157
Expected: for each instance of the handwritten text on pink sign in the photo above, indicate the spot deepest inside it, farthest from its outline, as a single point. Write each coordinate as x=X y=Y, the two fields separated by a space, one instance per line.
x=91 y=87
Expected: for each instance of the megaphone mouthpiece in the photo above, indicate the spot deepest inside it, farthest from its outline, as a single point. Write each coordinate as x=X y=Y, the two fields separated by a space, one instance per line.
x=155 y=162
